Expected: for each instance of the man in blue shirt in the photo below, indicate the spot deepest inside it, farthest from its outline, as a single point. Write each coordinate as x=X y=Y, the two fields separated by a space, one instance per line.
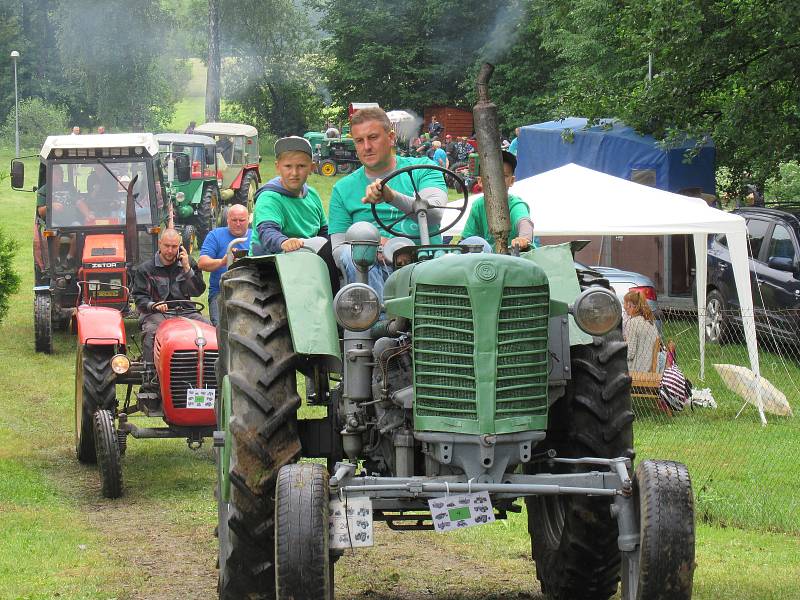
x=213 y=253
x=439 y=155
x=513 y=147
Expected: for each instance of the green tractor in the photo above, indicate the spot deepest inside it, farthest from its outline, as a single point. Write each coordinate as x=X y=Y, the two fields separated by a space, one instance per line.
x=480 y=381
x=333 y=156
x=238 y=160
x=196 y=202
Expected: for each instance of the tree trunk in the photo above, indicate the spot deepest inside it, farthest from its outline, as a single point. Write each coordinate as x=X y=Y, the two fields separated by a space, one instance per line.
x=213 y=73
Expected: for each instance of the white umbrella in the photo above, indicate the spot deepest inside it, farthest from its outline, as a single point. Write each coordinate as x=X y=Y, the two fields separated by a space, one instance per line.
x=756 y=390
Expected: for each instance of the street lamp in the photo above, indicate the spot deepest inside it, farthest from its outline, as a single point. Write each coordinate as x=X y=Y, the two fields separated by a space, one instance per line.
x=14 y=57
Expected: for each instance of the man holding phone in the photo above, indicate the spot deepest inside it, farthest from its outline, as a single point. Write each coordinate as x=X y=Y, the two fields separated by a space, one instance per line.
x=170 y=275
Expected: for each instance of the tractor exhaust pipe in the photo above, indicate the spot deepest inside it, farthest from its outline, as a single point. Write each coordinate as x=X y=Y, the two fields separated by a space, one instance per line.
x=491 y=162
x=131 y=233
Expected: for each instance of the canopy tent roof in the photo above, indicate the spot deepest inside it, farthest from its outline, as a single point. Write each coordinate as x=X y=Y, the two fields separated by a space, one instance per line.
x=614 y=148
x=575 y=201
x=186 y=139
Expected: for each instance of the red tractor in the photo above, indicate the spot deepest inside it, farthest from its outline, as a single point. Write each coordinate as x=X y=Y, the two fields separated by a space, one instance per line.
x=181 y=390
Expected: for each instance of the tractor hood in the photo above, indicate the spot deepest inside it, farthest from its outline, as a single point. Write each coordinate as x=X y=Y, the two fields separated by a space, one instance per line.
x=184 y=334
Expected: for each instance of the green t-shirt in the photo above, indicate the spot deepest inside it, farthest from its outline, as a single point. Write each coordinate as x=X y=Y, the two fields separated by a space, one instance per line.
x=346 y=207
x=296 y=217
x=477 y=224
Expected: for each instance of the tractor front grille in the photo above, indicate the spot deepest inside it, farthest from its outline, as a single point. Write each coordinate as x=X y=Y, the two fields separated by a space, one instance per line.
x=183 y=373
x=444 y=353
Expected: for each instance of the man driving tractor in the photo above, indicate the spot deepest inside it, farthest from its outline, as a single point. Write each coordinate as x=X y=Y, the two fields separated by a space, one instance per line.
x=170 y=276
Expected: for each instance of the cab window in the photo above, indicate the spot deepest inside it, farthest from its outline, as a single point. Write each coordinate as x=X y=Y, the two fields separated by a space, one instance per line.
x=781 y=244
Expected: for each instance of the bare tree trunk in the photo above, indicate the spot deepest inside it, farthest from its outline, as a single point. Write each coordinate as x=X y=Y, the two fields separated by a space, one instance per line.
x=213 y=73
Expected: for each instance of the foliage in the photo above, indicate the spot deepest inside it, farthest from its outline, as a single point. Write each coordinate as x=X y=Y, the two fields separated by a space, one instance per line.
x=786 y=186
x=9 y=279
x=719 y=69
x=37 y=120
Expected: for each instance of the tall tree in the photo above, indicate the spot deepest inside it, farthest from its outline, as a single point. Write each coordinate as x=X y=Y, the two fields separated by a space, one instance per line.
x=213 y=72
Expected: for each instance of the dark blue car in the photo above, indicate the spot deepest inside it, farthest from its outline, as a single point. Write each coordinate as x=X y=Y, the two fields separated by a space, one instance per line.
x=772 y=238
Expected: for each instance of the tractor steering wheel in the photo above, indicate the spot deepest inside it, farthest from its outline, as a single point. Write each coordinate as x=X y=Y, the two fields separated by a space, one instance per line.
x=409 y=170
x=176 y=308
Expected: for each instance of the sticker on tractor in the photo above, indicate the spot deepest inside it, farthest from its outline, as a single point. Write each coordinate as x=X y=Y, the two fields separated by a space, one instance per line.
x=458 y=511
x=200 y=398
x=351 y=523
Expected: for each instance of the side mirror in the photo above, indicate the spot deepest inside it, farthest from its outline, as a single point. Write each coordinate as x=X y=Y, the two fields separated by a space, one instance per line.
x=781 y=264
x=183 y=171
x=17 y=174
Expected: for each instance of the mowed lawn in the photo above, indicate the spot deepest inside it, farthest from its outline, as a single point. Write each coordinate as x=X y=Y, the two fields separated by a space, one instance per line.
x=60 y=539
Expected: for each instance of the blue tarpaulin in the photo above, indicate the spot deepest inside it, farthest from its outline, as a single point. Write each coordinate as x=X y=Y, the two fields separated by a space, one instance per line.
x=615 y=149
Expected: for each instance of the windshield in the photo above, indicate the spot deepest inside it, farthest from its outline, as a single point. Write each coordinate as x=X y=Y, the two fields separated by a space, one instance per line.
x=87 y=195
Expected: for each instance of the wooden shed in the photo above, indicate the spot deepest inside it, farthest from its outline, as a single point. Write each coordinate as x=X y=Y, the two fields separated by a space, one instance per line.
x=456 y=121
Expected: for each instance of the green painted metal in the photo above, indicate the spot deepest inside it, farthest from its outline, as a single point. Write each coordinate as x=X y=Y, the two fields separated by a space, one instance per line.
x=479 y=341
x=557 y=263
x=223 y=422
x=309 y=303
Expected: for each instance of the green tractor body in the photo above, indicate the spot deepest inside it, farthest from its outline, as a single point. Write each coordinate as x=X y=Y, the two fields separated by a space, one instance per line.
x=196 y=203
x=333 y=156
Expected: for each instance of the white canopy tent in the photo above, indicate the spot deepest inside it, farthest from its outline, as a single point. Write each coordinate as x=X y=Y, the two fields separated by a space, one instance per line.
x=573 y=200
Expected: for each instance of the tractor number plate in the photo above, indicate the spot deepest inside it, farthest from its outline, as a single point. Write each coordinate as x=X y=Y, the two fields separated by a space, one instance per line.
x=200 y=398
x=458 y=511
x=350 y=524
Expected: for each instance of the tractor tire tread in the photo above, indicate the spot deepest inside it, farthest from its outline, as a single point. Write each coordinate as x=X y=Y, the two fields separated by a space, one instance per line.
x=98 y=391
x=108 y=457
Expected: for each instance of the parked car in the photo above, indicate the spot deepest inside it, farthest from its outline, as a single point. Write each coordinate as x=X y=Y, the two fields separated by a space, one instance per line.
x=772 y=244
x=623 y=282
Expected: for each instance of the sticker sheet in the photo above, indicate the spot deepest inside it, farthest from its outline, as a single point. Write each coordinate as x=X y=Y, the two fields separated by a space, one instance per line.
x=200 y=398
x=351 y=523
x=457 y=511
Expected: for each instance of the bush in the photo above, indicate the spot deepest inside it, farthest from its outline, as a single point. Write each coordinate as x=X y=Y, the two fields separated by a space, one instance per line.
x=786 y=186
x=9 y=280
x=37 y=120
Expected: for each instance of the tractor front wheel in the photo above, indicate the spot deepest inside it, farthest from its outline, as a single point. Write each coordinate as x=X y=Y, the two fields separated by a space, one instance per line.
x=327 y=168
x=304 y=570
x=108 y=458
x=94 y=388
x=574 y=538
x=189 y=238
x=257 y=360
x=247 y=191
x=43 y=322
x=663 y=566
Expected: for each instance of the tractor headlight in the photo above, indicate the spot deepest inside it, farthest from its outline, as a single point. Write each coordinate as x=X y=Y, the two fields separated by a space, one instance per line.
x=596 y=311
x=356 y=307
x=120 y=364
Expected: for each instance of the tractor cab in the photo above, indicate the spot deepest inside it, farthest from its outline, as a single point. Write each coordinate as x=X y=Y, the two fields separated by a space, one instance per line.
x=237 y=158
x=84 y=229
x=196 y=201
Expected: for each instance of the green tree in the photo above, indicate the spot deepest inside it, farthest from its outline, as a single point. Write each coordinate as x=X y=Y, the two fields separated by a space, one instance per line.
x=720 y=69
x=37 y=120
x=9 y=279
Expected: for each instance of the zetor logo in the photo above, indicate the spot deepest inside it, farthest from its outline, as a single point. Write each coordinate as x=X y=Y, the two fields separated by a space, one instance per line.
x=108 y=265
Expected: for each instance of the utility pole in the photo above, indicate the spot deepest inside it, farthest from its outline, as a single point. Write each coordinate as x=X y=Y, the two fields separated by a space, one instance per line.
x=14 y=57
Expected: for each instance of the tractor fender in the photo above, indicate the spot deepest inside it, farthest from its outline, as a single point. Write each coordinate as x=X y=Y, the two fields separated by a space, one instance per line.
x=197 y=197
x=237 y=183
x=309 y=304
x=100 y=326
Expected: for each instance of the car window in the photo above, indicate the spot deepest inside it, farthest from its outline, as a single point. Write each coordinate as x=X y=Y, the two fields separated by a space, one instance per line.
x=721 y=239
x=756 y=229
x=781 y=244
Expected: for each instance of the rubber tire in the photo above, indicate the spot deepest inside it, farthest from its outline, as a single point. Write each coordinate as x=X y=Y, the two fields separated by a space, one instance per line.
x=344 y=168
x=665 y=503
x=574 y=538
x=94 y=388
x=327 y=168
x=256 y=354
x=246 y=194
x=716 y=305
x=108 y=458
x=451 y=182
x=303 y=567
x=43 y=322
x=189 y=238
x=206 y=215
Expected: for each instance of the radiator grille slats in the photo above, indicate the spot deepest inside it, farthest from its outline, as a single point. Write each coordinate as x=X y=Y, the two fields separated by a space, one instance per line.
x=183 y=373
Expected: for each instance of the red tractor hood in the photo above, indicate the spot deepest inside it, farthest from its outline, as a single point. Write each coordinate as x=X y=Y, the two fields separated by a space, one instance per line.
x=182 y=334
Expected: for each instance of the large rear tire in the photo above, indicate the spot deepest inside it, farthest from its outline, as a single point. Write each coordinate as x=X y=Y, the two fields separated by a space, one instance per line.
x=108 y=458
x=94 y=388
x=574 y=538
x=304 y=570
x=207 y=213
x=246 y=194
x=257 y=356
x=665 y=504
x=43 y=322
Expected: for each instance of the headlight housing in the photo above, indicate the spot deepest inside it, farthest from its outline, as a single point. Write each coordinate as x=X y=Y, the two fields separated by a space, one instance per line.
x=597 y=311
x=356 y=307
x=120 y=364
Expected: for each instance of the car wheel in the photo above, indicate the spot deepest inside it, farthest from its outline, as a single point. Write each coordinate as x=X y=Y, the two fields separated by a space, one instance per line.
x=717 y=319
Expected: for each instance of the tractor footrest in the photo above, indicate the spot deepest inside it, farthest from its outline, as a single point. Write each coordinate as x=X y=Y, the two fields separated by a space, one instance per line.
x=150 y=404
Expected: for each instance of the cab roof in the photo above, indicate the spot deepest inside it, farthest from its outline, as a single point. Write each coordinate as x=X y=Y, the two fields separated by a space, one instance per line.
x=185 y=138
x=104 y=140
x=226 y=129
